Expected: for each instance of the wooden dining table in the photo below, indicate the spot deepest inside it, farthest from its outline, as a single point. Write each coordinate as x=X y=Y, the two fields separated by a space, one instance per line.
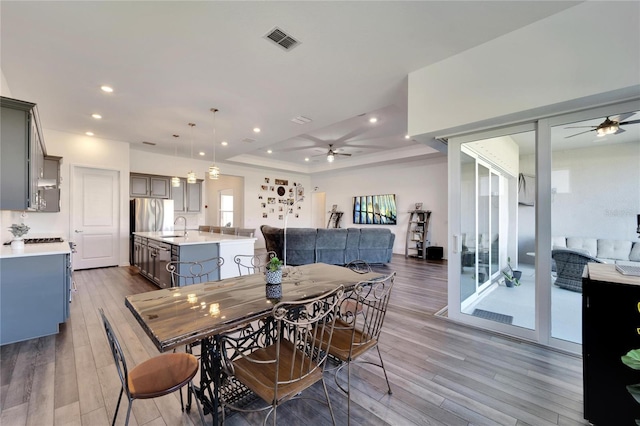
x=179 y=316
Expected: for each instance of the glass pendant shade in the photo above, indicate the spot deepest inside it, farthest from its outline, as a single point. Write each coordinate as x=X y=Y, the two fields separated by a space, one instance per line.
x=175 y=182
x=214 y=172
x=191 y=177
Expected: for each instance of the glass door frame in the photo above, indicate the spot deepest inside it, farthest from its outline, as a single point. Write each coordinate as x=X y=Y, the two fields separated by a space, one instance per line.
x=543 y=221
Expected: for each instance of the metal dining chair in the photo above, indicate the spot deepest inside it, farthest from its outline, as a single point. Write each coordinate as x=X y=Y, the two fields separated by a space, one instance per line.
x=246 y=232
x=280 y=357
x=187 y=273
x=155 y=377
x=249 y=264
x=357 y=329
x=359 y=266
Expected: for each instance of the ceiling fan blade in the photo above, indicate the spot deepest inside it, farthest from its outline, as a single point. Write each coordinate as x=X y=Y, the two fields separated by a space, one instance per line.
x=629 y=122
x=339 y=153
x=580 y=127
x=351 y=134
x=312 y=138
x=623 y=117
x=620 y=130
x=581 y=133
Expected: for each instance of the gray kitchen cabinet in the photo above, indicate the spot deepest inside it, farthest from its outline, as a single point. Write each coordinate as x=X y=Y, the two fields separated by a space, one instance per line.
x=149 y=186
x=22 y=154
x=188 y=197
x=34 y=296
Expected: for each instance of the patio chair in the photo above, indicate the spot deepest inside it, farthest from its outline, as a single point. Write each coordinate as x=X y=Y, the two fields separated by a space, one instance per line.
x=569 y=267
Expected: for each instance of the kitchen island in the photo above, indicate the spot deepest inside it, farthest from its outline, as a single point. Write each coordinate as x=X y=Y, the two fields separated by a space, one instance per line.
x=35 y=289
x=153 y=250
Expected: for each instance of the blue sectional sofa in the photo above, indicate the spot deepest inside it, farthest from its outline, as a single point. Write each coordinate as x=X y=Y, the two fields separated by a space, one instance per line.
x=333 y=246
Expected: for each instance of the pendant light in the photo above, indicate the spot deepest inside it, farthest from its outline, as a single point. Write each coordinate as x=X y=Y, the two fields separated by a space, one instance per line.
x=175 y=181
x=191 y=176
x=214 y=171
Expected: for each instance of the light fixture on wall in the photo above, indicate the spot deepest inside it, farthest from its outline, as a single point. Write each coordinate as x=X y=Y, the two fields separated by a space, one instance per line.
x=214 y=171
x=175 y=181
x=191 y=176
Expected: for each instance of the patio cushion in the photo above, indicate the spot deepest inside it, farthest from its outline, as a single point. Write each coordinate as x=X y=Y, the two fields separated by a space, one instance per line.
x=589 y=244
x=635 y=253
x=614 y=249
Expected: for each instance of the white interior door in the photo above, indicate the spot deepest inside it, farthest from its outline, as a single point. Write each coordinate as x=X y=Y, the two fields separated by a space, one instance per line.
x=95 y=217
x=318 y=210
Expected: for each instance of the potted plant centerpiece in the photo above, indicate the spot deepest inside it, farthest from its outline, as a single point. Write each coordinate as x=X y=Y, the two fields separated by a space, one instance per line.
x=18 y=231
x=511 y=277
x=274 y=278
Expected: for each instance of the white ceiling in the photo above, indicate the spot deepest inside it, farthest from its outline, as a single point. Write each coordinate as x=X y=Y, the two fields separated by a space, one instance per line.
x=171 y=62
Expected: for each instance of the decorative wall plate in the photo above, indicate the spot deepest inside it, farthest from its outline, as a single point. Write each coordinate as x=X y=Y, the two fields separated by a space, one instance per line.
x=281 y=191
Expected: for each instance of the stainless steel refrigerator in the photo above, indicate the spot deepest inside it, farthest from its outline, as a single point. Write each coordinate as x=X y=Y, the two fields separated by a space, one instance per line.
x=149 y=215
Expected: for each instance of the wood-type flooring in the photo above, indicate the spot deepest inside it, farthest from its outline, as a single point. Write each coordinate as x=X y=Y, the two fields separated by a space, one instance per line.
x=441 y=373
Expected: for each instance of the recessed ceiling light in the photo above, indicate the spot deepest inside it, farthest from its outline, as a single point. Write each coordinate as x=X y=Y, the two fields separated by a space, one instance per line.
x=89 y=133
x=306 y=159
x=373 y=120
x=224 y=143
x=201 y=153
x=96 y=116
x=256 y=129
x=407 y=137
x=107 y=89
x=269 y=151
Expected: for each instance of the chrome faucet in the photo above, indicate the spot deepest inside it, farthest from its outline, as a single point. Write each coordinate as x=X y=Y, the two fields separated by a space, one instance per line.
x=185 y=224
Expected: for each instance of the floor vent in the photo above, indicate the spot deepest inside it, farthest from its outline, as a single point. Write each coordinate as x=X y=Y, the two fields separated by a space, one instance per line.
x=281 y=38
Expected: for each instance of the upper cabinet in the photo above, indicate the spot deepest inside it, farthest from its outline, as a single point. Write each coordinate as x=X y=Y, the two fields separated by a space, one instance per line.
x=187 y=197
x=149 y=186
x=22 y=153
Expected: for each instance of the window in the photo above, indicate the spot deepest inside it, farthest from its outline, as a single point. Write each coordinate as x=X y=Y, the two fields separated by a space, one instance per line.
x=226 y=207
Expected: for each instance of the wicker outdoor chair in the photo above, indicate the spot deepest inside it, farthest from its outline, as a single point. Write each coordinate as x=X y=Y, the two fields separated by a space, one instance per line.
x=569 y=267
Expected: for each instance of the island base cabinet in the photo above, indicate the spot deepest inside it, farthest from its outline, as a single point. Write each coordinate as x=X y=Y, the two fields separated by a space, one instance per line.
x=34 y=296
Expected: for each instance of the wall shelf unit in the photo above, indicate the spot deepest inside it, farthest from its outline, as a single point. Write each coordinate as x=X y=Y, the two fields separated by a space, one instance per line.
x=417 y=230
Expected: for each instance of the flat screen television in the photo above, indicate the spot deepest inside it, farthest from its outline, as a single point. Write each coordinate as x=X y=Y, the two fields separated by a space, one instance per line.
x=375 y=209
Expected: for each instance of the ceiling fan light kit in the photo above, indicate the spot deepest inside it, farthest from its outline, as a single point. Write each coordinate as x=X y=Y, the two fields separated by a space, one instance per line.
x=607 y=127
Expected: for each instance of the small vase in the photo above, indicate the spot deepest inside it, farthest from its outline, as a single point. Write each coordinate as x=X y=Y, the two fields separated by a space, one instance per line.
x=274 y=277
x=17 y=243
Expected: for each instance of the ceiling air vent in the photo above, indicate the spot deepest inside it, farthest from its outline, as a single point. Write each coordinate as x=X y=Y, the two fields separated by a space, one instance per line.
x=248 y=140
x=282 y=39
x=301 y=119
x=149 y=143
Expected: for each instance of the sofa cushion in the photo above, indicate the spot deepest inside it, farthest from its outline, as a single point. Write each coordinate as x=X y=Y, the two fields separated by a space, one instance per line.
x=374 y=245
x=352 y=252
x=301 y=246
x=635 y=252
x=589 y=244
x=614 y=249
x=330 y=246
x=558 y=242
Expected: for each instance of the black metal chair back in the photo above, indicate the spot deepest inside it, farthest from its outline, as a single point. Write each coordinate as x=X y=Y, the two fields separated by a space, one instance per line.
x=249 y=264
x=187 y=273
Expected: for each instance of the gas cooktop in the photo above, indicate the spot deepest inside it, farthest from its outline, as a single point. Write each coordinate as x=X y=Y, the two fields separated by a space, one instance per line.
x=40 y=240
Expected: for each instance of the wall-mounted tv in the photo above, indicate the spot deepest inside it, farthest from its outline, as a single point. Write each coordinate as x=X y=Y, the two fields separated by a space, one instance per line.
x=375 y=209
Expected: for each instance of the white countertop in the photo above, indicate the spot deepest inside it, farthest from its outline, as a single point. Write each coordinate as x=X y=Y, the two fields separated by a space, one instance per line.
x=194 y=237
x=41 y=249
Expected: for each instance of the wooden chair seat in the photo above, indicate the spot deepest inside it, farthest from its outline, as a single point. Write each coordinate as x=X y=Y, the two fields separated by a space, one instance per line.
x=261 y=377
x=162 y=375
x=341 y=342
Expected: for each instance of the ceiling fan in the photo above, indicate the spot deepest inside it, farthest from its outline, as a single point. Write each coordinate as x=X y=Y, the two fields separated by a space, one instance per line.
x=607 y=127
x=332 y=153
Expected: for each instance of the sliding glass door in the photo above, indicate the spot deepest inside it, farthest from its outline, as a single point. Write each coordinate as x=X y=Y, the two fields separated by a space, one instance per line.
x=522 y=199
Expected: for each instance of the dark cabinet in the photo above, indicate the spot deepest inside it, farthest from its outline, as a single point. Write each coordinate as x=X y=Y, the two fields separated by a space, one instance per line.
x=187 y=198
x=610 y=329
x=22 y=154
x=149 y=186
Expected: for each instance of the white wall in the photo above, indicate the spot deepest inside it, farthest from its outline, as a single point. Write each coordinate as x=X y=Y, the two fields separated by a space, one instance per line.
x=415 y=181
x=83 y=151
x=589 y=49
x=603 y=200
